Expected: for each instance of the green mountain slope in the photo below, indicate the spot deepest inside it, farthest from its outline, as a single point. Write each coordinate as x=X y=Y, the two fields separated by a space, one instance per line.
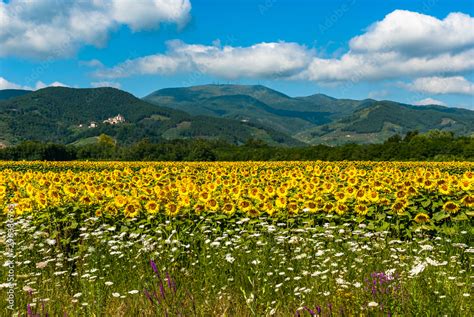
x=317 y=118
x=256 y=104
x=11 y=93
x=70 y=115
x=377 y=121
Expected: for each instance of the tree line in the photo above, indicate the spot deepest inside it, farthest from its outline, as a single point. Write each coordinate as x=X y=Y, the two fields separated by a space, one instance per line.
x=431 y=146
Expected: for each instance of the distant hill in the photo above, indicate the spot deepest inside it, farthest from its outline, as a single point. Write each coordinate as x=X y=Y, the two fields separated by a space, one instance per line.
x=234 y=113
x=377 y=121
x=317 y=118
x=69 y=115
x=256 y=104
x=11 y=93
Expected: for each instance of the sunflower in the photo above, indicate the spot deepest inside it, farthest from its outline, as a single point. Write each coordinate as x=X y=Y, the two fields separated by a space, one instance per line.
x=328 y=207
x=428 y=184
x=401 y=194
x=378 y=185
x=328 y=187
x=253 y=212
x=310 y=206
x=341 y=208
x=212 y=205
x=185 y=201
x=132 y=209
x=41 y=201
x=468 y=175
x=172 y=209
x=451 y=207
x=110 y=209
x=350 y=192
x=361 y=209
x=120 y=201
x=254 y=192
x=352 y=181
x=212 y=187
x=421 y=218
x=228 y=208
x=468 y=201
x=270 y=191
x=465 y=185
x=444 y=189
x=53 y=194
x=360 y=194
x=86 y=200
x=373 y=196
x=340 y=197
x=3 y=190
x=70 y=191
x=412 y=191
x=281 y=202
x=293 y=207
x=204 y=196
x=245 y=205
x=236 y=191
x=269 y=208
x=282 y=191
x=398 y=206
x=199 y=208
x=152 y=207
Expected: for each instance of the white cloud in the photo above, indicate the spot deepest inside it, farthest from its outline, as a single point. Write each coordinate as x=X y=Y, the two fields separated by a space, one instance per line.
x=357 y=67
x=113 y=84
x=41 y=85
x=429 y=101
x=403 y=44
x=378 y=94
x=144 y=14
x=92 y=63
x=54 y=29
x=262 y=60
x=5 y=84
x=442 y=85
x=413 y=33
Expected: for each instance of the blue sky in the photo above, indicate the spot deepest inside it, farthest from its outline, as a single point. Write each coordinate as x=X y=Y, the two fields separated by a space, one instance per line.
x=408 y=51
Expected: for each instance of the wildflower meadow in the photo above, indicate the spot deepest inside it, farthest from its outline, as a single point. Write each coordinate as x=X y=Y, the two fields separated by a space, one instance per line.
x=236 y=239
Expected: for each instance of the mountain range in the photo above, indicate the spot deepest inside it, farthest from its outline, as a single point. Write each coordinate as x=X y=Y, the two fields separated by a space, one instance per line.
x=234 y=113
x=317 y=118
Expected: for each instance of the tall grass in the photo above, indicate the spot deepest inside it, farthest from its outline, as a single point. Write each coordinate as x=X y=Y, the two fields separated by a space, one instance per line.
x=209 y=266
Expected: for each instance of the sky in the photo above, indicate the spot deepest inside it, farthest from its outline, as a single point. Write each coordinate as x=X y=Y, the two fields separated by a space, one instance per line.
x=416 y=52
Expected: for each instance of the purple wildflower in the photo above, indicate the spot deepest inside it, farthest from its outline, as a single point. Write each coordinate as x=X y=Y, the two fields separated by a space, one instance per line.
x=148 y=296
x=312 y=313
x=155 y=269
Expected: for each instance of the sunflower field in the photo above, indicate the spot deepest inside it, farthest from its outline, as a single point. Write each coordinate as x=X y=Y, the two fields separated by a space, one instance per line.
x=237 y=239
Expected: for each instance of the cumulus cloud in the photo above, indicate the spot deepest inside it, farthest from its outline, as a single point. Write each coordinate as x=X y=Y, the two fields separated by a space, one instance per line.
x=404 y=43
x=91 y=63
x=113 y=84
x=262 y=60
x=413 y=33
x=388 y=65
x=41 y=85
x=5 y=84
x=429 y=101
x=145 y=14
x=442 y=85
x=55 y=29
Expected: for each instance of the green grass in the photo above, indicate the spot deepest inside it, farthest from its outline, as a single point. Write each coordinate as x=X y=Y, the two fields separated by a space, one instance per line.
x=236 y=267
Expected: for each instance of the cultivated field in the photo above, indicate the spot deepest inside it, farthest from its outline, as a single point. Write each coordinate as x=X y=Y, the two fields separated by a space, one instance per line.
x=237 y=239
